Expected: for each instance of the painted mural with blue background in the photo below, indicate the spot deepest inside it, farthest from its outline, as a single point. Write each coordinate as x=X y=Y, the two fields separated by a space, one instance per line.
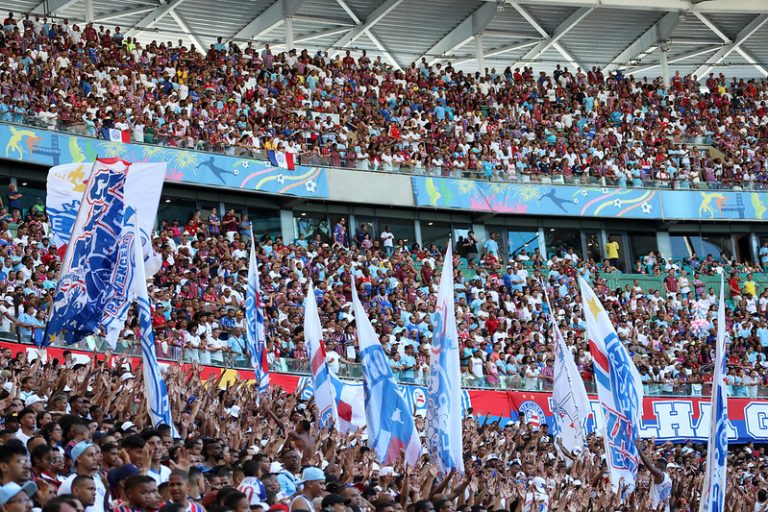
x=582 y=201
x=49 y=148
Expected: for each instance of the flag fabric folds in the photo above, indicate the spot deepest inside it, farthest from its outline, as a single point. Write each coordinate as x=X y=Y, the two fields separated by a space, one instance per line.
x=389 y=419
x=713 y=490
x=281 y=159
x=321 y=376
x=350 y=404
x=254 y=317
x=89 y=262
x=444 y=415
x=619 y=389
x=570 y=404
x=158 y=402
x=66 y=185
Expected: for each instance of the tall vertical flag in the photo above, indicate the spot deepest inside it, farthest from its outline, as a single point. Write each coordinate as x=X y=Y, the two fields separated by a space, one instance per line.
x=619 y=389
x=444 y=415
x=254 y=317
x=389 y=419
x=713 y=491
x=570 y=404
x=325 y=398
x=87 y=270
x=158 y=403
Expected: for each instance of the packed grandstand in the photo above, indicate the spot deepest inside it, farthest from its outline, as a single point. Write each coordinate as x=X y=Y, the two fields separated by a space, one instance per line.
x=77 y=434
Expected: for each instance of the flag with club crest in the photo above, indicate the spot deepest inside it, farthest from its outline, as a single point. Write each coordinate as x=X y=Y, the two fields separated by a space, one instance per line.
x=89 y=263
x=325 y=398
x=254 y=317
x=444 y=416
x=713 y=490
x=389 y=419
x=619 y=389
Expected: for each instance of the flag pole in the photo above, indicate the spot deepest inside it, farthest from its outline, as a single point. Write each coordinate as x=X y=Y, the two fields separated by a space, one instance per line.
x=68 y=253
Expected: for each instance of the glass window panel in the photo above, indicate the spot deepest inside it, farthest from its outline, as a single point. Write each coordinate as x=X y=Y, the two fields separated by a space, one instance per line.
x=437 y=233
x=519 y=241
x=560 y=240
x=312 y=225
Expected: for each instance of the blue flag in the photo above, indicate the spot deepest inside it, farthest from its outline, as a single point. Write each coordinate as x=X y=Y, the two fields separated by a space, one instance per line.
x=444 y=415
x=713 y=492
x=88 y=267
x=254 y=317
x=389 y=419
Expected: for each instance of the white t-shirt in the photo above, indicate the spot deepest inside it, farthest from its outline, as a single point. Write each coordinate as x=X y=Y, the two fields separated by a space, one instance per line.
x=661 y=493
x=101 y=492
x=387 y=238
x=162 y=476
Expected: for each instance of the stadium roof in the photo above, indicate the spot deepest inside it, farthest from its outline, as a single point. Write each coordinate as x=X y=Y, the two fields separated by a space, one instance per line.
x=700 y=35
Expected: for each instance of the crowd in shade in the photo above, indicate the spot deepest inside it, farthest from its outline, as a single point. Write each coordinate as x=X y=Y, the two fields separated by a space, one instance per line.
x=348 y=110
x=75 y=437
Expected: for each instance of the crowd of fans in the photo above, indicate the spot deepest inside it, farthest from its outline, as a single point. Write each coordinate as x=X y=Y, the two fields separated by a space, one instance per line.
x=198 y=300
x=75 y=437
x=354 y=111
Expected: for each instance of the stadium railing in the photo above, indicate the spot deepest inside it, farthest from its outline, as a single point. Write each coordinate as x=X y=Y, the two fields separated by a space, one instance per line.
x=349 y=162
x=177 y=354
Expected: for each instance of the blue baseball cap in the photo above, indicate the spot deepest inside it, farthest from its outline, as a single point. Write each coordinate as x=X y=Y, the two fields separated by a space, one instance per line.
x=79 y=448
x=11 y=489
x=311 y=474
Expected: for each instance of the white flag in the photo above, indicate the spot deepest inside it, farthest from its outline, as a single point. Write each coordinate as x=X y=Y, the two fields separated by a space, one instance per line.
x=444 y=415
x=325 y=396
x=713 y=491
x=570 y=404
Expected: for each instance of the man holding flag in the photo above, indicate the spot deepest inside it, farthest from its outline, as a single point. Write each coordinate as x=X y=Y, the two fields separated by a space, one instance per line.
x=389 y=419
x=325 y=398
x=444 y=417
x=255 y=332
x=619 y=389
x=713 y=491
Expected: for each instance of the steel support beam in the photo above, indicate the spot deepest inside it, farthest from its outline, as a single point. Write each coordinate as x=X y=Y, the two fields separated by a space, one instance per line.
x=731 y=6
x=268 y=19
x=52 y=6
x=473 y=25
x=724 y=38
x=182 y=23
x=153 y=17
x=364 y=26
x=551 y=40
x=679 y=58
x=120 y=14
x=660 y=31
x=728 y=49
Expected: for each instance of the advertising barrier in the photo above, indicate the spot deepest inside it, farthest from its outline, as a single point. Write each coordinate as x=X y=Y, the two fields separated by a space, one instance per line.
x=583 y=201
x=43 y=147
x=676 y=419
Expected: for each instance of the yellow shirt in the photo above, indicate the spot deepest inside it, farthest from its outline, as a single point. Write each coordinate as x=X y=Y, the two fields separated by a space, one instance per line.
x=751 y=288
x=612 y=250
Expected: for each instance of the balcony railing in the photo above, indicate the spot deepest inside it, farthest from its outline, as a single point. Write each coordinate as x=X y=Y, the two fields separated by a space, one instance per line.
x=170 y=353
x=349 y=162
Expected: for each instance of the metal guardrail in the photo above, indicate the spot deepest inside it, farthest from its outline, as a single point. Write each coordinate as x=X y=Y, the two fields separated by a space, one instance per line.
x=350 y=162
x=177 y=354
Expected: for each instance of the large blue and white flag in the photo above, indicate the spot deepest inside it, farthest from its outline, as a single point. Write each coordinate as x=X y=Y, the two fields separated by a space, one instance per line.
x=66 y=184
x=444 y=416
x=713 y=491
x=619 y=389
x=325 y=396
x=389 y=419
x=254 y=322
x=158 y=402
x=89 y=262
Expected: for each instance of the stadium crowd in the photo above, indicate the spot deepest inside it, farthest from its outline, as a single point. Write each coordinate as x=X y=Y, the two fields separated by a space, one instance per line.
x=571 y=125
